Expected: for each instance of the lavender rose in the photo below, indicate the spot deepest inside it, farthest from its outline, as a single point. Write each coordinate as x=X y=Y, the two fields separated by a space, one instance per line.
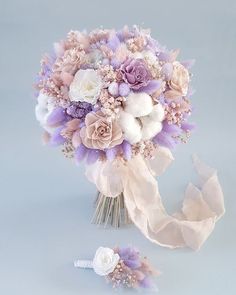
x=135 y=73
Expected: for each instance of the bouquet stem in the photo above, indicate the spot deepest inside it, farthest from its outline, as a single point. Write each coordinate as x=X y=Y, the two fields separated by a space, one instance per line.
x=110 y=211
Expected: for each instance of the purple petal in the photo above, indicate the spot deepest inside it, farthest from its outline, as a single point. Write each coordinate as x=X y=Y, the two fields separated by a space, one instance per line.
x=80 y=153
x=124 y=89
x=127 y=150
x=164 y=139
x=191 y=91
x=171 y=129
x=188 y=126
x=188 y=63
x=57 y=116
x=93 y=156
x=105 y=61
x=133 y=263
x=168 y=56
x=115 y=63
x=113 y=89
x=167 y=70
x=146 y=283
x=113 y=43
x=164 y=56
x=152 y=86
x=111 y=153
x=56 y=138
x=129 y=253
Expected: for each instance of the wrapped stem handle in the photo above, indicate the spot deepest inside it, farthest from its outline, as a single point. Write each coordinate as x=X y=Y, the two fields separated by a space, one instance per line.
x=83 y=263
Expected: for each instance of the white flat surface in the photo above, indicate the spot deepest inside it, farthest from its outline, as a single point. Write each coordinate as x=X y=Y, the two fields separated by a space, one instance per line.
x=46 y=201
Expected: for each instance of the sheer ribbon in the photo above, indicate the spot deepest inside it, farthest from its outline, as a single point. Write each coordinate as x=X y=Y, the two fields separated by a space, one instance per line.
x=190 y=227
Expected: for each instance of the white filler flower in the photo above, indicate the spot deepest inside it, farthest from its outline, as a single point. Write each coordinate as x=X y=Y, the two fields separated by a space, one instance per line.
x=105 y=261
x=86 y=86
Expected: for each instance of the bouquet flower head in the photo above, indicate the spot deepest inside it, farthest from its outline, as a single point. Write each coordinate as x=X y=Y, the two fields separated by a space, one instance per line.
x=129 y=94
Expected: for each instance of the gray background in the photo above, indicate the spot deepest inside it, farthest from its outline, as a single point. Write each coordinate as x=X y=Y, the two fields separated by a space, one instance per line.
x=46 y=201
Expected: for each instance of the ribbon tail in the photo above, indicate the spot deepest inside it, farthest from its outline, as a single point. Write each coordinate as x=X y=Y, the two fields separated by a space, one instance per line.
x=192 y=225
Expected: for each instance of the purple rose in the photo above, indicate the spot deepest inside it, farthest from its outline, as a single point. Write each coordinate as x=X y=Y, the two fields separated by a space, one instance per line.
x=135 y=73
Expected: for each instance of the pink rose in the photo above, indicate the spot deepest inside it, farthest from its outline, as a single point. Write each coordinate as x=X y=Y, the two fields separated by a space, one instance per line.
x=100 y=132
x=179 y=81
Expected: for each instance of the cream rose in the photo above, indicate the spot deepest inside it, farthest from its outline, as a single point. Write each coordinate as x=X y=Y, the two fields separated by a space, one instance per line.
x=86 y=86
x=180 y=79
x=100 y=132
x=105 y=261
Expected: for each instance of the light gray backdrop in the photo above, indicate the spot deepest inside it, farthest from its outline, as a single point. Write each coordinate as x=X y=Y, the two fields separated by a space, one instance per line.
x=46 y=201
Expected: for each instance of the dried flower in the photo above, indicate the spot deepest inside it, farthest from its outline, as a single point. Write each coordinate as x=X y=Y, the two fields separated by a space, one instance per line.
x=99 y=132
x=135 y=73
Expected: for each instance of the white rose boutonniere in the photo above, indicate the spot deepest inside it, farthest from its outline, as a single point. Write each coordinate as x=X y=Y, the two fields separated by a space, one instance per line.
x=86 y=86
x=105 y=261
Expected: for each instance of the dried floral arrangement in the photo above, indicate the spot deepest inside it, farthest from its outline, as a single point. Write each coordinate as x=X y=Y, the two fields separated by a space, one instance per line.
x=121 y=101
x=122 y=267
x=108 y=94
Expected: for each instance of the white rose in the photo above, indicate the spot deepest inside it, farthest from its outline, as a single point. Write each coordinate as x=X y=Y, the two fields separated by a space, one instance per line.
x=105 y=261
x=42 y=111
x=86 y=86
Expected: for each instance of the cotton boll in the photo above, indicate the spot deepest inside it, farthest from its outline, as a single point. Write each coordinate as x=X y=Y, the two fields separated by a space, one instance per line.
x=150 y=128
x=130 y=127
x=157 y=113
x=138 y=104
x=42 y=111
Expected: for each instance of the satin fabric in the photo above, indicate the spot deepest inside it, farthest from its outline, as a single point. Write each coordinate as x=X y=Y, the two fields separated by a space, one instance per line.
x=136 y=178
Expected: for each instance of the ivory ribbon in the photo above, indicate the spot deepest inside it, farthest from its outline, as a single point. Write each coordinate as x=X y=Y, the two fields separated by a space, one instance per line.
x=136 y=179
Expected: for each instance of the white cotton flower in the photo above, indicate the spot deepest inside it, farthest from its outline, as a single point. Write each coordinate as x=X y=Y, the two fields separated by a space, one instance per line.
x=42 y=111
x=141 y=120
x=86 y=86
x=150 y=127
x=130 y=127
x=105 y=261
x=152 y=123
x=157 y=113
x=138 y=104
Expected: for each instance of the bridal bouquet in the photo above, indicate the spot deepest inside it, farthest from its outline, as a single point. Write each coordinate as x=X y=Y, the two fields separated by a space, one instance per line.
x=121 y=101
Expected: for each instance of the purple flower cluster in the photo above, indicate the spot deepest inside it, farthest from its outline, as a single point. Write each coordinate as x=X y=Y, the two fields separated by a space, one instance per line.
x=79 y=109
x=133 y=271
